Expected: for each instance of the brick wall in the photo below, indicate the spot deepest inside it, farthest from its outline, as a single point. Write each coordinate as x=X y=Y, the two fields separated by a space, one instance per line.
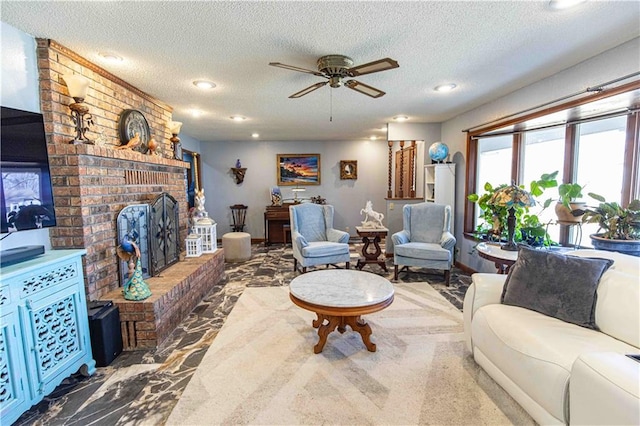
x=92 y=183
x=147 y=324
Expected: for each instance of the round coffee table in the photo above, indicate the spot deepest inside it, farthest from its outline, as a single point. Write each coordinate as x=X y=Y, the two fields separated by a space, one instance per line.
x=339 y=298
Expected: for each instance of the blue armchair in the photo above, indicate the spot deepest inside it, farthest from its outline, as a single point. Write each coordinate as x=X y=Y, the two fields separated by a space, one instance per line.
x=425 y=239
x=313 y=238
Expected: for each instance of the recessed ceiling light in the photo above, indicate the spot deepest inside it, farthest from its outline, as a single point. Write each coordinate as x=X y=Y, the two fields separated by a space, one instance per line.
x=564 y=4
x=255 y=135
x=196 y=112
x=111 y=57
x=238 y=118
x=204 y=84
x=400 y=118
x=381 y=129
x=445 y=87
x=373 y=138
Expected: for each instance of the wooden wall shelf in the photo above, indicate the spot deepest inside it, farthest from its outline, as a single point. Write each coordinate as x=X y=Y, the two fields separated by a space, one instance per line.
x=239 y=172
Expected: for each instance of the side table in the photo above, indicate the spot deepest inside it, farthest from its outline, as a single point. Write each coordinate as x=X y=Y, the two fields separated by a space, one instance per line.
x=371 y=256
x=503 y=259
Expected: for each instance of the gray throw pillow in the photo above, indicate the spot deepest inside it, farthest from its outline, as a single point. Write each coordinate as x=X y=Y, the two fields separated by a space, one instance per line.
x=556 y=285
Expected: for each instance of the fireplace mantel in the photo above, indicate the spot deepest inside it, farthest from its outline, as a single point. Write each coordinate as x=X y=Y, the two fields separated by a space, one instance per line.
x=110 y=152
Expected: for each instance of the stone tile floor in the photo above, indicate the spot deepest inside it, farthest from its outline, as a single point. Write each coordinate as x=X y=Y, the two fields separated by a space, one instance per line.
x=142 y=387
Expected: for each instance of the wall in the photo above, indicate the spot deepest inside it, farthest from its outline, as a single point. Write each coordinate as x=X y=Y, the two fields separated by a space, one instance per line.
x=19 y=89
x=347 y=196
x=609 y=65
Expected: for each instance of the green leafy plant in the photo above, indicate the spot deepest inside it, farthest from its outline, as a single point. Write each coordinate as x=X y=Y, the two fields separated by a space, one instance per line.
x=568 y=193
x=617 y=222
x=529 y=229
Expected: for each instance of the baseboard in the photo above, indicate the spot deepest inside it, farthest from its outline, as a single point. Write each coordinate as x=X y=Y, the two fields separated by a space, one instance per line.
x=464 y=268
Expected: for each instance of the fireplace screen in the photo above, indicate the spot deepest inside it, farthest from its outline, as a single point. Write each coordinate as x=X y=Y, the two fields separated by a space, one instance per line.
x=133 y=224
x=155 y=230
x=164 y=233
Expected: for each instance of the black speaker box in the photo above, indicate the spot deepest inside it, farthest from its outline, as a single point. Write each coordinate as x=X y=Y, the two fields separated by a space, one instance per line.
x=104 y=327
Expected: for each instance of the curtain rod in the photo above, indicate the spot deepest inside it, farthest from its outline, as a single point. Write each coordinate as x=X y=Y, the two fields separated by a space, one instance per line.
x=596 y=89
x=563 y=123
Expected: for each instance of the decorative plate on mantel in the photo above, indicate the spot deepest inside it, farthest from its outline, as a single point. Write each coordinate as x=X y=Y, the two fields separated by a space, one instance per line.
x=131 y=122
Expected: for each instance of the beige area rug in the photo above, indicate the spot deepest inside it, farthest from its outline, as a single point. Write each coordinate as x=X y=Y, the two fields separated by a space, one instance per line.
x=261 y=369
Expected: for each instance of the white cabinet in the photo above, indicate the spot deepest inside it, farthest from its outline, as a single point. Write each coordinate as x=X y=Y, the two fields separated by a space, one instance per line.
x=440 y=185
x=44 y=329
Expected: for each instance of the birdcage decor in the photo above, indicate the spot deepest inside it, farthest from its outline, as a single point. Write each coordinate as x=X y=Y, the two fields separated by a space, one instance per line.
x=207 y=231
x=194 y=245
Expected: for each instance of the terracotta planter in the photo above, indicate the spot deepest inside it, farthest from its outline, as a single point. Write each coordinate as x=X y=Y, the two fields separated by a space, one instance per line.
x=564 y=214
x=631 y=247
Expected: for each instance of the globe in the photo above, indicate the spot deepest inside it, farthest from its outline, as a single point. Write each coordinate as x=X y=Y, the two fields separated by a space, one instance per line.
x=438 y=151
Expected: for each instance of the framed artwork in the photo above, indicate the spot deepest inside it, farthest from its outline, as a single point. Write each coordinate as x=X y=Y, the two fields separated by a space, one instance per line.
x=298 y=169
x=348 y=169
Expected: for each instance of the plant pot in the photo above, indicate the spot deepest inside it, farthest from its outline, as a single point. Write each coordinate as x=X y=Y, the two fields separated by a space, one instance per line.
x=564 y=214
x=631 y=247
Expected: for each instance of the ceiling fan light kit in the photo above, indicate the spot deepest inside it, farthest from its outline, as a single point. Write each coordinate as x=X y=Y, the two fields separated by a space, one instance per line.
x=335 y=68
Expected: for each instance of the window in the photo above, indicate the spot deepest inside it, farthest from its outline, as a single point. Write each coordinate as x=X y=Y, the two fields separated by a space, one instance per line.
x=599 y=152
x=600 y=162
x=543 y=152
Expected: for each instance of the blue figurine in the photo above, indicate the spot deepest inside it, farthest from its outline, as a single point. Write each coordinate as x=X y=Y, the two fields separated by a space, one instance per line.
x=126 y=244
x=238 y=164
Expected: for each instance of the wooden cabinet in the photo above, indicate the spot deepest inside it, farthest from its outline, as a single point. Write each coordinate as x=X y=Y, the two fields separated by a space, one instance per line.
x=440 y=185
x=276 y=222
x=44 y=329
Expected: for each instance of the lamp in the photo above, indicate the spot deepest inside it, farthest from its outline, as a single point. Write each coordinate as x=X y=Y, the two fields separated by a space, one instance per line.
x=511 y=196
x=78 y=87
x=295 y=194
x=174 y=128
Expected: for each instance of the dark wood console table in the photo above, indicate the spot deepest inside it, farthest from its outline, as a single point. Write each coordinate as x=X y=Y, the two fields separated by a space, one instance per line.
x=275 y=219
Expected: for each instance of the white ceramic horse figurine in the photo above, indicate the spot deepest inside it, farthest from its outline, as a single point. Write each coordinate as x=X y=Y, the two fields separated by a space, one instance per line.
x=372 y=219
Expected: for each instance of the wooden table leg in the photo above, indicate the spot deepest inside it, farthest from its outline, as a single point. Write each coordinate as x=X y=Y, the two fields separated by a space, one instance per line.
x=323 y=332
x=356 y=323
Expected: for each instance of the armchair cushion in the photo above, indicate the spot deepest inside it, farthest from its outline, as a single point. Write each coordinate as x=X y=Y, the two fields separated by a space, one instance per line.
x=313 y=226
x=324 y=249
x=426 y=224
x=427 y=251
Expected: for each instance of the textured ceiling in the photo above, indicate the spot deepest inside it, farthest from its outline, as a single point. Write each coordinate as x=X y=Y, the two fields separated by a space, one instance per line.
x=487 y=48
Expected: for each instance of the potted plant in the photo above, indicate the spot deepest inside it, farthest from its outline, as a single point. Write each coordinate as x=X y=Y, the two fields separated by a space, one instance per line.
x=568 y=209
x=528 y=228
x=621 y=225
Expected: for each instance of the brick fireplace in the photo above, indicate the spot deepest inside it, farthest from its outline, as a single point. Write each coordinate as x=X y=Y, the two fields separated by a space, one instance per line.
x=92 y=183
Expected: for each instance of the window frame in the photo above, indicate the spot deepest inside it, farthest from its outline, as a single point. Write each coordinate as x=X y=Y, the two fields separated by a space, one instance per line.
x=631 y=177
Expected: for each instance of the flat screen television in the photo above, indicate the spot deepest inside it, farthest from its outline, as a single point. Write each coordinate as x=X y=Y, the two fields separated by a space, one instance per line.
x=26 y=195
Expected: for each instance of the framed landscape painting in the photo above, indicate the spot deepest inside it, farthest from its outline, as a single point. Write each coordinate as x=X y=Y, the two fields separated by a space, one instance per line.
x=298 y=169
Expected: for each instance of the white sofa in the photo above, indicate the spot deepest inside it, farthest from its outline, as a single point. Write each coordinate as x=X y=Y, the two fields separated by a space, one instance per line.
x=561 y=373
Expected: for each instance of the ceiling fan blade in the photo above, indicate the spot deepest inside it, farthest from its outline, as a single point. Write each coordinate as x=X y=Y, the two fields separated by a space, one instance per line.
x=294 y=68
x=364 y=88
x=308 y=90
x=371 y=67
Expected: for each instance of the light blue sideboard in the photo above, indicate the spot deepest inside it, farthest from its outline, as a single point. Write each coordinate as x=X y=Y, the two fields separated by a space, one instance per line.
x=44 y=329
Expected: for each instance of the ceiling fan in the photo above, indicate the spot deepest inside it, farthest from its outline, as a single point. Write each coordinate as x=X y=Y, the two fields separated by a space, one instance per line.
x=335 y=68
